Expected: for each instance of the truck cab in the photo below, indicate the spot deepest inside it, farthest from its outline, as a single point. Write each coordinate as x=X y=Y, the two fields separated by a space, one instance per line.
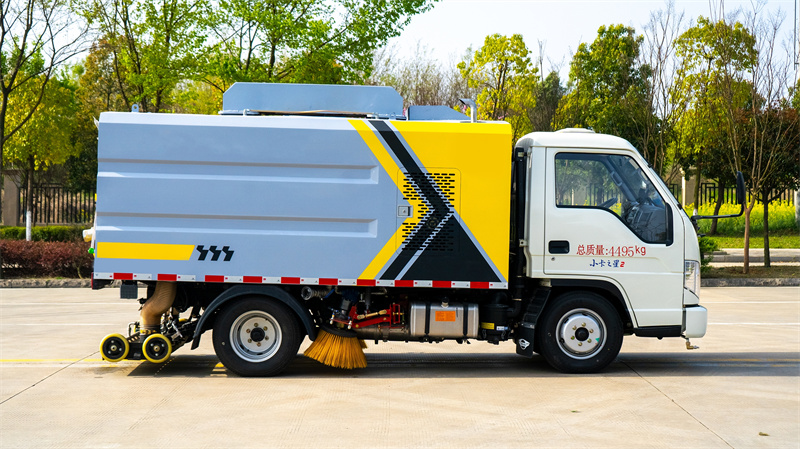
x=600 y=220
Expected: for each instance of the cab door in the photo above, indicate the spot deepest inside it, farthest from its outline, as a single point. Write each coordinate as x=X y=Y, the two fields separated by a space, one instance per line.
x=606 y=220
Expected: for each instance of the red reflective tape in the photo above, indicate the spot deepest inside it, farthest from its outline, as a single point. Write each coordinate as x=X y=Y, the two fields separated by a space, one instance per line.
x=214 y=278
x=290 y=280
x=365 y=282
x=403 y=283
x=328 y=281
x=442 y=284
x=167 y=277
x=252 y=279
x=478 y=285
x=124 y=276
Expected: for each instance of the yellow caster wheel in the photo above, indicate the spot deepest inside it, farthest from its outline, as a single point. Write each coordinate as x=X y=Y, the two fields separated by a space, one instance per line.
x=157 y=348
x=114 y=348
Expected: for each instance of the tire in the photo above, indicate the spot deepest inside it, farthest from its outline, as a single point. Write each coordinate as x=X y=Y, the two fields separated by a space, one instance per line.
x=256 y=337
x=580 y=332
x=157 y=348
x=114 y=348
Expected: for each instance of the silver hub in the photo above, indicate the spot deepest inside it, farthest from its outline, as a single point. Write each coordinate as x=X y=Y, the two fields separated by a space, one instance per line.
x=581 y=333
x=264 y=328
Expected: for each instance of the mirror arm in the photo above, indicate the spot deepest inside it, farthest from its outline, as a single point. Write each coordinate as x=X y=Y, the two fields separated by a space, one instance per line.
x=694 y=218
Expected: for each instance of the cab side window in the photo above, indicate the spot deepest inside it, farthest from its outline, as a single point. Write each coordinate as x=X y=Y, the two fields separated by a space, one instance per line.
x=616 y=184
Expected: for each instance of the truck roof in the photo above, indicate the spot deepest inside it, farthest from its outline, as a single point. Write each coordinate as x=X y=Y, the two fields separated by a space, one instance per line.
x=574 y=138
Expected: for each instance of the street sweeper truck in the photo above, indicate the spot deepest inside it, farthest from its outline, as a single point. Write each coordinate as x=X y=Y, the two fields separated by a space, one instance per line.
x=333 y=213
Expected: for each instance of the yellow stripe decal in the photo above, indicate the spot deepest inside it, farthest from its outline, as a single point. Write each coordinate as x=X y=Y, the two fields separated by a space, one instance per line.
x=388 y=164
x=149 y=251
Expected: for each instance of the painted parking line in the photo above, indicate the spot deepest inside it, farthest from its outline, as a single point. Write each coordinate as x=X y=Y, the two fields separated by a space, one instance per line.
x=754 y=324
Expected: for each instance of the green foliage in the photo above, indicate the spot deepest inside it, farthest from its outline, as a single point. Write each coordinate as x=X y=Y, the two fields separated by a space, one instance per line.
x=44 y=139
x=707 y=247
x=44 y=233
x=781 y=218
x=547 y=94
x=707 y=55
x=503 y=73
x=607 y=87
x=301 y=41
x=155 y=45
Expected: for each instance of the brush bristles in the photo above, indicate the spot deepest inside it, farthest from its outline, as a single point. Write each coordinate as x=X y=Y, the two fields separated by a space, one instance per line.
x=338 y=352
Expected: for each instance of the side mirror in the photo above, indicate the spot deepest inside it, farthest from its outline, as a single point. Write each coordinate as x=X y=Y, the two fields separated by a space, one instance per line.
x=741 y=197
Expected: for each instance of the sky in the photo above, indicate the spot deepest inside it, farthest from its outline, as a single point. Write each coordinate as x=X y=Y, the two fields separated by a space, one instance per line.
x=452 y=26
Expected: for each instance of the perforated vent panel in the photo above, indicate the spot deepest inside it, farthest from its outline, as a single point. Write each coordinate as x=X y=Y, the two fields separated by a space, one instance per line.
x=433 y=198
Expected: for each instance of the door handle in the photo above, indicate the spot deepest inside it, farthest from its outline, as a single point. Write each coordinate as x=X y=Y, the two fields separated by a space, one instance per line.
x=558 y=247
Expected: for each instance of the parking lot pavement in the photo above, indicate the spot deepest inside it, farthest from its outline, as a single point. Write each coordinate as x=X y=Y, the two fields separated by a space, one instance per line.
x=741 y=389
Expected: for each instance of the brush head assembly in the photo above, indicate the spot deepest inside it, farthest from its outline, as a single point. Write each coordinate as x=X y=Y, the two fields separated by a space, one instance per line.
x=338 y=348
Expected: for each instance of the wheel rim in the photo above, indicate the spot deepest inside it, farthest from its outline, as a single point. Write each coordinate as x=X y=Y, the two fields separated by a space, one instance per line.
x=255 y=336
x=581 y=333
x=157 y=348
x=114 y=348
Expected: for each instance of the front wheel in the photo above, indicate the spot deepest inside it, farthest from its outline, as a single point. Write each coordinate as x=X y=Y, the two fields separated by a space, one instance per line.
x=256 y=337
x=580 y=333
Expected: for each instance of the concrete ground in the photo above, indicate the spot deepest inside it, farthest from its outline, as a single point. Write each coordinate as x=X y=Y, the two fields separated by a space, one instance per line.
x=741 y=389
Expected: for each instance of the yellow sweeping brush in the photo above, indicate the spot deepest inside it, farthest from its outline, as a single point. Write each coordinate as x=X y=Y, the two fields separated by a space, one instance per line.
x=339 y=351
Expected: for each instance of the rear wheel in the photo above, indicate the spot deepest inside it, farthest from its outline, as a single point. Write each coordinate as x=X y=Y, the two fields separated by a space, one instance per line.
x=256 y=337
x=580 y=332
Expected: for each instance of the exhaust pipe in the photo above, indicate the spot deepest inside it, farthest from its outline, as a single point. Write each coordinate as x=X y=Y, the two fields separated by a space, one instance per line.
x=473 y=109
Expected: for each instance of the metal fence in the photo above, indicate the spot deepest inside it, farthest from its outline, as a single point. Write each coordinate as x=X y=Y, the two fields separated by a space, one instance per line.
x=708 y=194
x=53 y=204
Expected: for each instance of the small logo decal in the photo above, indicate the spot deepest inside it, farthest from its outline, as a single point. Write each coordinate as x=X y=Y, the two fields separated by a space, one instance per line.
x=215 y=253
x=524 y=343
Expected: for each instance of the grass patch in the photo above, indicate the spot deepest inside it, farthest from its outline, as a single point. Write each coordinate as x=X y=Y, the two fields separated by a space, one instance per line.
x=781 y=218
x=777 y=239
x=756 y=271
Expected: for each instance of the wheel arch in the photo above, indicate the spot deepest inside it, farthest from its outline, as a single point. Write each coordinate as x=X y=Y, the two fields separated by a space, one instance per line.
x=606 y=289
x=266 y=291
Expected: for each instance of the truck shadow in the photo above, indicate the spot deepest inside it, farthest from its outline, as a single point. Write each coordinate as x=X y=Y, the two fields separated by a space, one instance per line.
x=459 y=365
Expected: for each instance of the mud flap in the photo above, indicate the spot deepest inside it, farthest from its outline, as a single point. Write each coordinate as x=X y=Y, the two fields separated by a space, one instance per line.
x=525 y=333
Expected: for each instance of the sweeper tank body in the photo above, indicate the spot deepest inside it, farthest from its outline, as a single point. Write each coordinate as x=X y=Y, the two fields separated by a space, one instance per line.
x=276 y=200
x=331 y=212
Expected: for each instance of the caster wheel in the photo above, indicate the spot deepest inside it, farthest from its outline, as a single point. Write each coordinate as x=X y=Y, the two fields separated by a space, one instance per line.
x=114 y=348
x=157 y=348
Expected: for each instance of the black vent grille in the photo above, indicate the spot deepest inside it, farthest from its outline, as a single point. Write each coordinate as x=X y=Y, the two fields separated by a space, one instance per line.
x=431 y=231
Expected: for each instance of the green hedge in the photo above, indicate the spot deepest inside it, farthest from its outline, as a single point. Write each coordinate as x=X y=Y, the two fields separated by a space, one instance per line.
x=44 y=233
x=45 y=259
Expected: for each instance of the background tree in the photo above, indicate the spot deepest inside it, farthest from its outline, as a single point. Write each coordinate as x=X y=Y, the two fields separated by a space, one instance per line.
x=658 y=53
x=501 y=70
x=608 y=89
x=97 y=91
x=36 y=37
x=772 y=129
x=780 y=135
x=712 y=56
x=43 y=139
x=546 y=94
x=302 y=41
x=155 y=44
x=421 y=79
